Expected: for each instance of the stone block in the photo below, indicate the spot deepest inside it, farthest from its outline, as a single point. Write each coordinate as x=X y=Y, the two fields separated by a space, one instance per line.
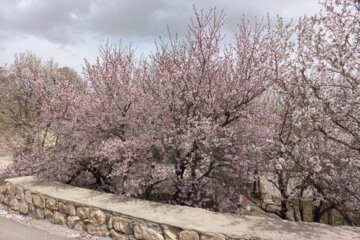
x=23 y=208
x=72 y=221
x=31 y=211
x=39 y=213
x=38 y=201
x=97 y=230
x=49 y=215
x=14 y=204
x=117 y=236
x=170 y=233
x=121 y=225
x=80 y=225
x=143 y=232
x=59 y=218
x=10 y=189
x=28 y=197
x=67 y=208
x=51 y=204
x=97 y=217
x=188 y=235
x=83 y=212
x=19 y=193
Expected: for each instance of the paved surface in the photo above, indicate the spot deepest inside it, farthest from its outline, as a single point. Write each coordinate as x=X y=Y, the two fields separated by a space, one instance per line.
x=193 y=218
x=12 y=230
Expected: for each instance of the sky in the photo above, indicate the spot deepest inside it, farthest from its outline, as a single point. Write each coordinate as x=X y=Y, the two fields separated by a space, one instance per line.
x=70 y=30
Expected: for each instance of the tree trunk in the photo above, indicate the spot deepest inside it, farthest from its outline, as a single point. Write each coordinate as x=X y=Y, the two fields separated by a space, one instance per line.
x=317 y=213
x=330 y=216
x=301 y=210
x=255 y=186
x=284 y=209
x=284 y=196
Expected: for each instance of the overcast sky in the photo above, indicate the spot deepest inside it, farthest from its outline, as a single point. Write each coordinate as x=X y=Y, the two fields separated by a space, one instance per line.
x=70 y=30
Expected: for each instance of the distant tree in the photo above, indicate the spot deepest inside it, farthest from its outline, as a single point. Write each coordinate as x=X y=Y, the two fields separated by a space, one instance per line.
x=28 y=87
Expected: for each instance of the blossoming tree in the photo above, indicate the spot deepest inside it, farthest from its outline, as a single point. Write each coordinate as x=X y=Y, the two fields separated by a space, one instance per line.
x=319 y=93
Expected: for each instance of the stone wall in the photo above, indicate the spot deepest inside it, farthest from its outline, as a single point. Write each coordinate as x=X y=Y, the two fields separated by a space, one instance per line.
x=102 y=214
x=95 y=221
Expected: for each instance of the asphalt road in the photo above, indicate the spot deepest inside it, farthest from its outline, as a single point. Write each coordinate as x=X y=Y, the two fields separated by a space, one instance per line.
x=11 y=230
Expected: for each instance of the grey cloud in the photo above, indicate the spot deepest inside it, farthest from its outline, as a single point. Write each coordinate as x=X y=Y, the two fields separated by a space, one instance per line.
x=67 y=21
x=141 y=18
x=48 y=19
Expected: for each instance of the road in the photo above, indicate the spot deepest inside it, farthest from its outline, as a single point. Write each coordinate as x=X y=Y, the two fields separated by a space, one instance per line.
x=12 y=230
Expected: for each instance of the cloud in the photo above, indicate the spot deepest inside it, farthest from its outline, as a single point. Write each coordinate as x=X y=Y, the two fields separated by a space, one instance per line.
x=65 y=21
x=141 y=18
x=72 y=29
